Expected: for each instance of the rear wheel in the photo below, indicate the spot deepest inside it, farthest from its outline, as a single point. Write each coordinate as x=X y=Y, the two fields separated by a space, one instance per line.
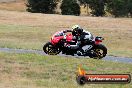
x=100 y=51
x=50 y=49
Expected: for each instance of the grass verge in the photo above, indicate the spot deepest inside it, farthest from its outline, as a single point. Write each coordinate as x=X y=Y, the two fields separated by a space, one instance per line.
x=34 y=37
x=36 y=71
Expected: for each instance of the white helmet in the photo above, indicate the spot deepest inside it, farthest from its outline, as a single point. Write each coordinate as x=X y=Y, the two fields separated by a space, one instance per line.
x=77 y=30
x=75 y=27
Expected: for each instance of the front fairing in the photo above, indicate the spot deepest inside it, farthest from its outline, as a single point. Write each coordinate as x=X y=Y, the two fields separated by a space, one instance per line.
x=57 y=37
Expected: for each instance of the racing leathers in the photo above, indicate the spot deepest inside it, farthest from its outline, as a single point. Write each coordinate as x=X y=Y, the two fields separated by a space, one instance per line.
x=86 y=35
x=77 y=42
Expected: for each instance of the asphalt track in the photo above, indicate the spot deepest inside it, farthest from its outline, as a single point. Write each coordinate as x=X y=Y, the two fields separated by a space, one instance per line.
x=40 y=52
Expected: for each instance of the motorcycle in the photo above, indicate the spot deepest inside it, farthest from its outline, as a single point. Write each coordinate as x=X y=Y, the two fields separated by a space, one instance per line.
x=93 y=49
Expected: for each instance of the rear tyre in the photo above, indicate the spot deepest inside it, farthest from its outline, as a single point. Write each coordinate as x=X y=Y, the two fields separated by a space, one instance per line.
x=50 y=49
x=99 y=51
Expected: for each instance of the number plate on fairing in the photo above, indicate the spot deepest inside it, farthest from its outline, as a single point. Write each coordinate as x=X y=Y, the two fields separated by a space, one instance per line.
x=87 y=47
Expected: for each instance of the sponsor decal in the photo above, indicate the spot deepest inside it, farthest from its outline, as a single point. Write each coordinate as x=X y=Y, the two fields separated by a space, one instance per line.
x=83 y=78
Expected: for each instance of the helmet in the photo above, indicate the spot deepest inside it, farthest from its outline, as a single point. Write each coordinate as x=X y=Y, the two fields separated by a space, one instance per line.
x=77 y=30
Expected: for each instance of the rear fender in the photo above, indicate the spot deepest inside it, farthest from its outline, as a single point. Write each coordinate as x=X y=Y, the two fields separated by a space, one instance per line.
x=98 y=40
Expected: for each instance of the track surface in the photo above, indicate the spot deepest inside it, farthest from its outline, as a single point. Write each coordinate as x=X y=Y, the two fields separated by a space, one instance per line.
x=40 y=52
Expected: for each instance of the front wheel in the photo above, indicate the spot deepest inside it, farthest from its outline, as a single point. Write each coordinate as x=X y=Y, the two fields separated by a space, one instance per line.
x=99 y=51
x=50 y=49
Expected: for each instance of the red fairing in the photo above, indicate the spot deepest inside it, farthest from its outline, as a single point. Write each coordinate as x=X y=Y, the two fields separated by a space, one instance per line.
x=55 y=40
x=60 y=35
x=57 y=37
x=69 y=37
x=98 y=42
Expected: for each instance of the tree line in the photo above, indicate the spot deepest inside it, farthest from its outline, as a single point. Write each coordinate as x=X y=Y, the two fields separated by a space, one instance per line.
x=117 y=8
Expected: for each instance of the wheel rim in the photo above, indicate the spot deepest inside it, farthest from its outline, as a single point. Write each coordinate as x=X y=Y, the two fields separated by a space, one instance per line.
x=51 y=50
x=99 y=53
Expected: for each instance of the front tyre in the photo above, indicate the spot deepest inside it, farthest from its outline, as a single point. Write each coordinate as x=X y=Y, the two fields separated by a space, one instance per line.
x=50 y=49
x=99 y=51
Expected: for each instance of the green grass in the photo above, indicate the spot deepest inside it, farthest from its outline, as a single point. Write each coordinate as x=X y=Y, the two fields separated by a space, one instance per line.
x=34 y=37
x=31 y=31
x=21 y=36
x=36 y=71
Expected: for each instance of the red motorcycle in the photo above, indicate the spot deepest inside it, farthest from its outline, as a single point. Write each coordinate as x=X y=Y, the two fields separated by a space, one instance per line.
x=58 y=42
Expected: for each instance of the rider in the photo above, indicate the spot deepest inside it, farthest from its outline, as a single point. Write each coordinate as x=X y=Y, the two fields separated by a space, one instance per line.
x=79 y=35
